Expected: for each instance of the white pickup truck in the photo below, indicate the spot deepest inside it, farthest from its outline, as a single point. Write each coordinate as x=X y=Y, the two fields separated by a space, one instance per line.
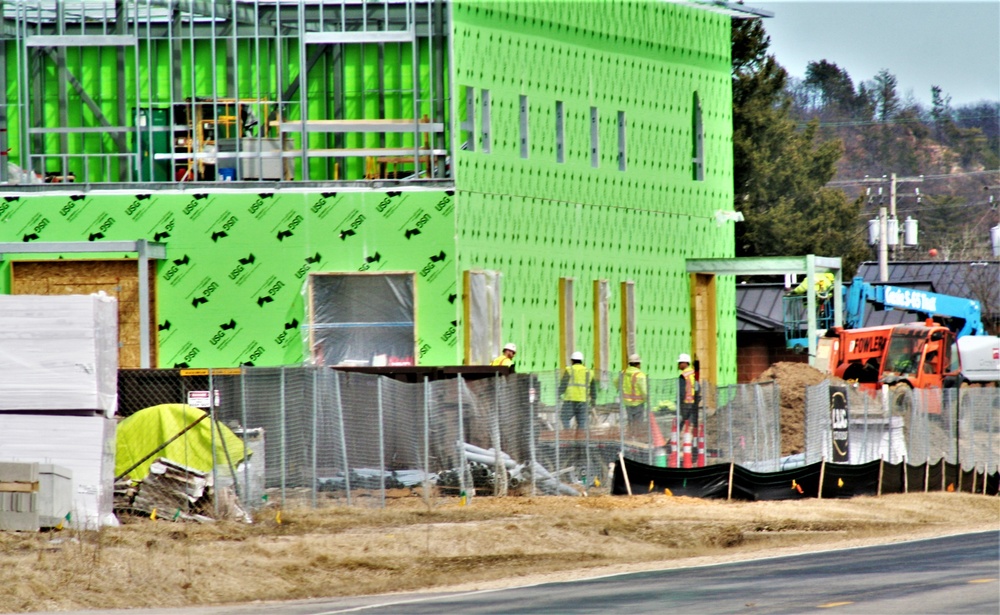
x=980 y=357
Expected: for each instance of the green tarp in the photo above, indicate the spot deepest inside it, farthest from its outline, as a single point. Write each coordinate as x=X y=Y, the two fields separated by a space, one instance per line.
x=141 y=433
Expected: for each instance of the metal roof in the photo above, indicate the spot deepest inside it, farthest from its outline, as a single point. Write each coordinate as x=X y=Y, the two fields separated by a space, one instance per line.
x=956 y=278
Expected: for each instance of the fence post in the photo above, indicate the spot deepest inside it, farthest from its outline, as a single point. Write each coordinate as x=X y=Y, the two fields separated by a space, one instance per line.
x=465 y=493
x=211 y=431
x=628 y=483
x=729 y=492
x=680 y=426
x=427 y=441
x=381 y=442
x=621 y=411
x=531 y=434
x=729 y=416
x=776 y=404
x=822 y=473
x=343 y=437
x=649 y=428
x=758 y=413
x=558 y=420
x=284 y=429
x=499 y=469
x=315 y=397
x=881 y=465
x=243 y=418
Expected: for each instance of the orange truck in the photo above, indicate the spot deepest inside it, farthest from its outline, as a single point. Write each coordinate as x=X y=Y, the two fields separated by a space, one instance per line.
x=908 y=356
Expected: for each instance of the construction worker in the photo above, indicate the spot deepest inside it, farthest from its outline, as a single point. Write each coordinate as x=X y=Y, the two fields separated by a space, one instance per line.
x=687 y=390
x=506 y=358
x=578 y=387
x=634 y=392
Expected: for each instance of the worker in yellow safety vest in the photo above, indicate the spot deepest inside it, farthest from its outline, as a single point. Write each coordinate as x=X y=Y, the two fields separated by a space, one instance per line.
x=506 y=358
x=687 y=390
x=577 y=388
x=634 y=392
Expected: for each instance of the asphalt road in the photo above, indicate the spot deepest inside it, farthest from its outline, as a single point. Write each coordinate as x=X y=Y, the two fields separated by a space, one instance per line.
x=953 y=575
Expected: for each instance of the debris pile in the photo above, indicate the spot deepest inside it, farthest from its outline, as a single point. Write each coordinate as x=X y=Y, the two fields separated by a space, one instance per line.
x=177 y=493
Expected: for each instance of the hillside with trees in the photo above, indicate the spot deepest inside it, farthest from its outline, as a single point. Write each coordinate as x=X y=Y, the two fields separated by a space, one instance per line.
x=810 y=155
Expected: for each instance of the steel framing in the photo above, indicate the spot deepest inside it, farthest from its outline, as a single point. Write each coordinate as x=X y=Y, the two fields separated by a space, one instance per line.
x=85 y=67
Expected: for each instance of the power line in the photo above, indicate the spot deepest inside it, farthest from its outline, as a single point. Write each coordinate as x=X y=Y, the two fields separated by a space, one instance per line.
x=869 y=180
x=915 y=120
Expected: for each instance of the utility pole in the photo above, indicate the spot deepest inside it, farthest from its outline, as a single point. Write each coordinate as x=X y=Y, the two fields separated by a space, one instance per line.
x=888 y=224
x=883 y=246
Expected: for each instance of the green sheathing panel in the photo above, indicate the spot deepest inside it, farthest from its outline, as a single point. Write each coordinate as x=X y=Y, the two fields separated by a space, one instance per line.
x=536 y=219
x=231 y=289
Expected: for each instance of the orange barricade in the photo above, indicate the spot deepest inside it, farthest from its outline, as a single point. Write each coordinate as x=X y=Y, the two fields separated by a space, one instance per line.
x=674 y=446
x=701 y=446
x=687 y=445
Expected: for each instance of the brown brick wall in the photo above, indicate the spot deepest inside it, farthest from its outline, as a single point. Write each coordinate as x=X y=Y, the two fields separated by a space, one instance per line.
x=756 y=352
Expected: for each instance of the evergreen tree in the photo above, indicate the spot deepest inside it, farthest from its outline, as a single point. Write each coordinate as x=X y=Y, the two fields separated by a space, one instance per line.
x=884 y=94
x=780 y=171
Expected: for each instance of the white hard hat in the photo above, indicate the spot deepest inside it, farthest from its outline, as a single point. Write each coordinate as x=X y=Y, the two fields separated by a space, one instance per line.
x=576 y=356
x=684 y=358
x=634 y=358
x=510 y=347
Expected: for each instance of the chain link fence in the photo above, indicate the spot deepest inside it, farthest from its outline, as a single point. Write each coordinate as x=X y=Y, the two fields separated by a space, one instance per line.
x=958 y=426
x=320 y=436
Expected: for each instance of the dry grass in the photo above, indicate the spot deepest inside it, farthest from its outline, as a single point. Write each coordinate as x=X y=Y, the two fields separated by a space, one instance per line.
x=409 y=546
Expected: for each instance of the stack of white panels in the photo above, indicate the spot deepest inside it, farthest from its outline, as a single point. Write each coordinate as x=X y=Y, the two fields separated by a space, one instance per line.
x=59 y=353
x=84 y=445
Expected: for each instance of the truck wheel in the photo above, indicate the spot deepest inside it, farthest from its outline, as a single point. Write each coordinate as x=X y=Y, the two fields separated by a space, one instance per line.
x=901 y=401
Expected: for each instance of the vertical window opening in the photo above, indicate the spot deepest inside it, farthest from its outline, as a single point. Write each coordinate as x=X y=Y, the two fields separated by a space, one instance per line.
x=560 y=133
x=486 y=121
x=594 y=145
x=621 y=140
x=698 y=133
x=524 y=126
x=468 y=122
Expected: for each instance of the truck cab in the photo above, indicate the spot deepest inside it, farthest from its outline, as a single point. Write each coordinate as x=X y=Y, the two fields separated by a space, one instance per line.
x=904 y=357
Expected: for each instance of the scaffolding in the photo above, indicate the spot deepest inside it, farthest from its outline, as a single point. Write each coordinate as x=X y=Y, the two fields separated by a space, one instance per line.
x=169 y=91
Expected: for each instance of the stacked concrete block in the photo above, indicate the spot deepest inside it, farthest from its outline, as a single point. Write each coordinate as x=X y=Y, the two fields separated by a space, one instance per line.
x=19 y=497
x=55 y=495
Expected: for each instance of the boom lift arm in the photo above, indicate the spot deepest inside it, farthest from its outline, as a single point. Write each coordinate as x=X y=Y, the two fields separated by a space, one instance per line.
x=963 y=316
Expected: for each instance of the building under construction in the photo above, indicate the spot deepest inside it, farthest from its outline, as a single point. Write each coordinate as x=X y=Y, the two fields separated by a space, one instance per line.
x=361 y=182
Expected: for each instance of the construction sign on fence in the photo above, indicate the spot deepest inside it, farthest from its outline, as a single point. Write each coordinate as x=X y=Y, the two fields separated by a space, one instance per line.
x=839 y=424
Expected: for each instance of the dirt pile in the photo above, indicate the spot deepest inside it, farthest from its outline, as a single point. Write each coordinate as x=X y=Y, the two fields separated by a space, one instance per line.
x=792 y=380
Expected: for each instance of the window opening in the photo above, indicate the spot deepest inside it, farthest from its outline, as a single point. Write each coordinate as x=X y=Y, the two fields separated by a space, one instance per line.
x=594 y=151
x=621 y=140
x=362 y=319
x=698 y=131
x=485 y=96
x=524 y=126
x=468 y=122
x=560 y=133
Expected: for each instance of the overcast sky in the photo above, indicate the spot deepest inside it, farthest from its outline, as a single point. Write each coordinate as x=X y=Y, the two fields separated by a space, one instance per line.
x=954 y=45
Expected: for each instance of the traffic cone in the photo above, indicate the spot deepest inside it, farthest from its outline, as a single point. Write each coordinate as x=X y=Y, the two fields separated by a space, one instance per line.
x=672 y=461
x=701 y=446
x=658 y=442
x=687 y=445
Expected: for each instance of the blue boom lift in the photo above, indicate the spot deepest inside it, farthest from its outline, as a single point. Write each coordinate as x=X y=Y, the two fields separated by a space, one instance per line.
x=963 y=316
